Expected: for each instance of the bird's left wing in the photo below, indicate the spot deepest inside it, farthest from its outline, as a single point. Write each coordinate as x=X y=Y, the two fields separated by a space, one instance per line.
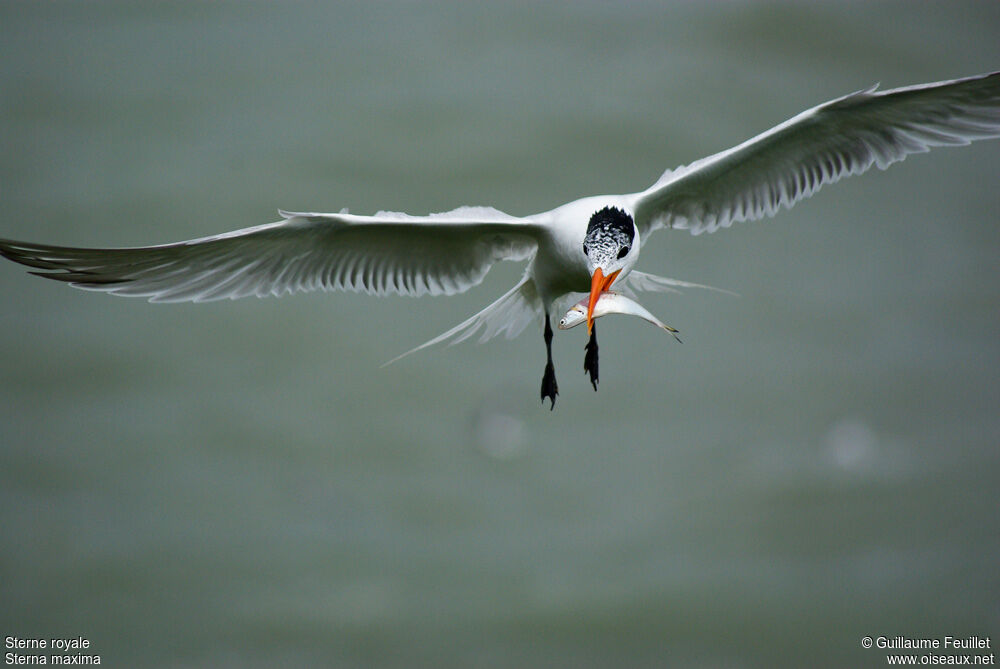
x=388 y=253
x=821 y=145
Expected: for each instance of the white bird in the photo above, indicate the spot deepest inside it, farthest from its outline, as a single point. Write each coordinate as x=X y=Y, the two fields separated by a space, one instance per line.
x=588 y=245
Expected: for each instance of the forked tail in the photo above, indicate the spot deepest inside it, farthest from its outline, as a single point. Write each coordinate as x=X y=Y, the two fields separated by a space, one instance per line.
x=642 y=281
x=521 y=305
x=508 y=315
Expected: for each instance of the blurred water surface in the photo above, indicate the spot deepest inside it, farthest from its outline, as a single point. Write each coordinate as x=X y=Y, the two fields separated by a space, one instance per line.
x=240 y=484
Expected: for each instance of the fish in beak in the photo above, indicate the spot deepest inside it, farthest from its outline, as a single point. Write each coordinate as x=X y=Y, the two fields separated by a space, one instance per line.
x=598 y=284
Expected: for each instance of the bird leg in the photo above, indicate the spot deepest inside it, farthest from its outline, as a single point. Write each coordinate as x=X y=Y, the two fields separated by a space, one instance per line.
x=549 y=386
x=590 y=358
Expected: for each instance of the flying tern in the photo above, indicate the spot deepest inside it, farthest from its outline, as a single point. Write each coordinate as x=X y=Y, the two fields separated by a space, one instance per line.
x=586 y=246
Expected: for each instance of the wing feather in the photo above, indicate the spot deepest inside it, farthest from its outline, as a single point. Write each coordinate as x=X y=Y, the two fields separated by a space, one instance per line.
x=840 y=138
x=384 y=254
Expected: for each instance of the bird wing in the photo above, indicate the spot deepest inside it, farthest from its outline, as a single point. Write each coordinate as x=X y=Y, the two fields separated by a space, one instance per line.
x=388 y=253
x=821 y=145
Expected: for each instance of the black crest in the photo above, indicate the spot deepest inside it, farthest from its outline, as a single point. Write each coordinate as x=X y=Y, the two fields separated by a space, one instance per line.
x=610 y=227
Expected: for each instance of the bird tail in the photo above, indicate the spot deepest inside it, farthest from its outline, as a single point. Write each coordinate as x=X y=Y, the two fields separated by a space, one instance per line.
x=508 y=315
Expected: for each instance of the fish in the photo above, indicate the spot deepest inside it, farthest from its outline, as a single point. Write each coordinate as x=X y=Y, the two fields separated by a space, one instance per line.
x=611 y=302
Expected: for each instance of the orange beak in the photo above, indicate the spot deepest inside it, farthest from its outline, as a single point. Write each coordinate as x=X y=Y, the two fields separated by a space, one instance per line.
x=598 y=284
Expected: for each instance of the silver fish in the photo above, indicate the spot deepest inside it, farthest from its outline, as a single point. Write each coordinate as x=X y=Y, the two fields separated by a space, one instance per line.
x=611 y=303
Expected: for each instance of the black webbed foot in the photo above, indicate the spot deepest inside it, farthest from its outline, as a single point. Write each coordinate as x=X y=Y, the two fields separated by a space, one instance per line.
x=549 y=386
x=590 y=358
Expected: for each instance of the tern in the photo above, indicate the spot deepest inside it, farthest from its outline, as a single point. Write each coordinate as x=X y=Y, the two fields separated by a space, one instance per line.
x=586 y=246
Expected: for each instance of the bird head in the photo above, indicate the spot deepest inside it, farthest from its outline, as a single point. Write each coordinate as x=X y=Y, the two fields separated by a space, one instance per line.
x=612 y=247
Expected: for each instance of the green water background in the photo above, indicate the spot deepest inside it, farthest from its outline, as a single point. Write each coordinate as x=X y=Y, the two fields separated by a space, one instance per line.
x=240 y=484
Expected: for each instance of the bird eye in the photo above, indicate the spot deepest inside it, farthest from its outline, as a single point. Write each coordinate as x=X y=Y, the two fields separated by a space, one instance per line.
x=585 y=250
x=623 y=252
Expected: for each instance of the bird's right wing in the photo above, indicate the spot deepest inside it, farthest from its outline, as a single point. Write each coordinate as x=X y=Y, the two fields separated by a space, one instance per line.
x=388 y=253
